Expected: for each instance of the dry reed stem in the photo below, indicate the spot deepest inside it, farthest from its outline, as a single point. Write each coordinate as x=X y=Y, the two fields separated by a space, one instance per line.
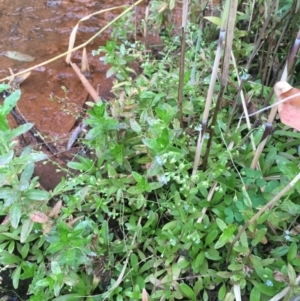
x=209 y=97
x=86 y=83
x=84 y=62
x=284 y=77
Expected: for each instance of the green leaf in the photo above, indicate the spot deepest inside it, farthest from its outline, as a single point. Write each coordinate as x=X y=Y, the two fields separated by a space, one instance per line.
x=32 y=157
x=280 y=251
x=37 y=195
x=24 y=251
x=110 y=72
x=6 y=158
x=26 y=176
x=16 y=277
x=11 y=247
x=211 y=237
x=4 y=87
x=55 y=247
x=222 y=292
x=15 y=214
x=293 y=250
x=213 y=254
x=134 y=262
x=290 y=207
x=258 y=236
x=69 y=297
x=147 y=266
x=43 y=282
x=26 y=229
x=7 y=258
x=226 y=236
x=182 y=262
x=135 y=126
x=215 y=20
x=292 y=274
x=55 y=268
x=4 y=127
x=221 y=224
x=255 y=294
x=187 y=291
x=19 y=130
x=10 y=102
x=246 y=197
x=198 y=261
x=266 y=290
x=6 y=192
x=137 y=177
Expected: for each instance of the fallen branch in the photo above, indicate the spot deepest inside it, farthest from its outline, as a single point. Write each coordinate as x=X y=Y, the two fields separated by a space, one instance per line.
x=85 y=82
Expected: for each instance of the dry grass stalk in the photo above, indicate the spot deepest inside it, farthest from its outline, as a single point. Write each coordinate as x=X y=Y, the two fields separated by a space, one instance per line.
x=268 y=127
x=210 y=92
x=85 y=68
x=86 y=83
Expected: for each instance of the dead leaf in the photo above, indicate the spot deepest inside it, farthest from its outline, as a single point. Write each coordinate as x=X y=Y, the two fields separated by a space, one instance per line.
x=56 y=209
x=6 y=219
x=289 y=111
x=19 y=56
x=278 y=276
x=73 y=221
x=85 y=68
x=144 y=295
x=47 y=228
x=39 y=217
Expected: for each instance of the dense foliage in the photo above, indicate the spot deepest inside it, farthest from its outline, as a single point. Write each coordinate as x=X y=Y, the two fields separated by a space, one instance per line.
x=130 y=214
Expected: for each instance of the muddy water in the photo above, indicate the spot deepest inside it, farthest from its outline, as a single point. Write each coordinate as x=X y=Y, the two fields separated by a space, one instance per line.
x=41 y=29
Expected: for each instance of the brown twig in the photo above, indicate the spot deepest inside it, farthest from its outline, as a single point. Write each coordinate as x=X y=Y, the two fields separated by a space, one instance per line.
x=86 y=83
x=34 y=132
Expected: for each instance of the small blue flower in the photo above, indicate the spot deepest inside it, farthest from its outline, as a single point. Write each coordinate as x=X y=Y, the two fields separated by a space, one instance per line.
x=198 y=128
x=159 y=161
x=162 y=179
x=206 y=136
x=269 y=283
x=173 y=241
x=287 y=235
x=245 y=76
x=186 y=207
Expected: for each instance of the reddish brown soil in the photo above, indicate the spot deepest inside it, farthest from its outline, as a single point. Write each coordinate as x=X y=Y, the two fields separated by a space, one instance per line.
x=41 y=29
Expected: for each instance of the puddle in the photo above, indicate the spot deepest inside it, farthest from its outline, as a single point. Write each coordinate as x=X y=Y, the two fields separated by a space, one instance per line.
x=52 y=96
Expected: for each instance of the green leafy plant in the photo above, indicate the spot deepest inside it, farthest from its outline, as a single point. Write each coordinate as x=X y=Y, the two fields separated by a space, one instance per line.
x=136 y=213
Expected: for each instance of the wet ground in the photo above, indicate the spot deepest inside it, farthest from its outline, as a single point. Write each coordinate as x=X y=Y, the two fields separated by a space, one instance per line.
x=52 y=96
x=41 y=29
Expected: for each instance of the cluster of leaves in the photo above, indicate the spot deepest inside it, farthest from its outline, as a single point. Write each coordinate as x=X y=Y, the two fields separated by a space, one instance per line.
x=133 y=216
